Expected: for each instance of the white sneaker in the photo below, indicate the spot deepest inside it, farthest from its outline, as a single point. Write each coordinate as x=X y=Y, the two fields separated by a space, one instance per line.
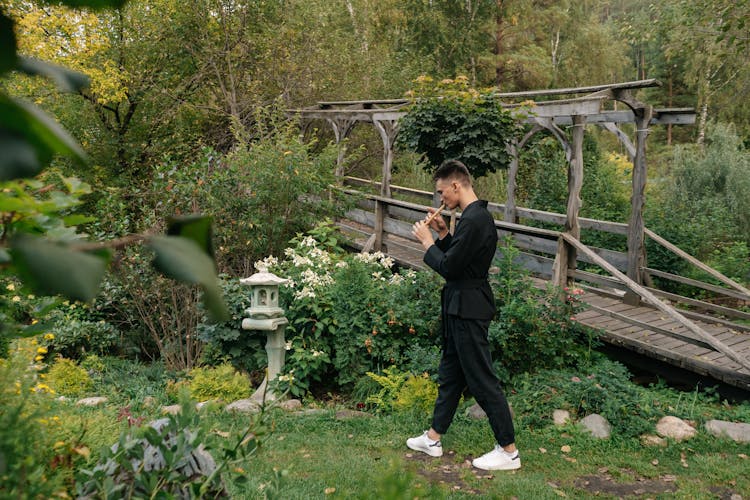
x=498 y=459
x=425 y=445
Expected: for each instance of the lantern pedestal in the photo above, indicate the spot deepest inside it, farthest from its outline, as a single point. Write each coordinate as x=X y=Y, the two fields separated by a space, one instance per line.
x=267 y=316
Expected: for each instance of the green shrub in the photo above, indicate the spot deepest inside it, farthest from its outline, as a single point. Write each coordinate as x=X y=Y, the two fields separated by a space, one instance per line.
x=258 y=194
x=222 y=382
x=450 y=120
x=124 y=381
x=27 y=428
x=402 y=391
x=93 y=364
x=733 y=260
x=702 y=206
x=418 y=393
x=604 y=388
x=533 y=328
x=423 y=359
x=175 y=388
x=69 y=379
x=348 y=313
x=75 y=335
x=391 y=381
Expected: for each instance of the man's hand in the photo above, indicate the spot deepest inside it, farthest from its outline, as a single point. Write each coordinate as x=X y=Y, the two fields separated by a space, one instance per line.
x=421 y=231
x=437 y=223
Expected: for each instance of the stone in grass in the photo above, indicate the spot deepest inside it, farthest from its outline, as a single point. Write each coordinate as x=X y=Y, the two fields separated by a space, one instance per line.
x=291 y=405
x=735 y=431
x=171 y=409
x=207 y=403
x=651 y=440
x=674 y=428
x=347 y=414
x=314 y=412
x=248 y=405
x=94 y=401
x=561 y=417
x=596 y=425
x=475 y=411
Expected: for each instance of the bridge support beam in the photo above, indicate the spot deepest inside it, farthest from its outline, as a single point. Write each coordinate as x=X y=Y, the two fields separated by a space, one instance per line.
x=510 y=214
x=388 y=130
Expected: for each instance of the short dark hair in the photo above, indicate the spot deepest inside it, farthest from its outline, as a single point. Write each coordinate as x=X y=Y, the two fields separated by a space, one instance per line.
x=453 y=169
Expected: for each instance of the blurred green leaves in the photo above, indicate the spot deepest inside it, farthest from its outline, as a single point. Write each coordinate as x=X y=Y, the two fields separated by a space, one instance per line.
x=53 y=269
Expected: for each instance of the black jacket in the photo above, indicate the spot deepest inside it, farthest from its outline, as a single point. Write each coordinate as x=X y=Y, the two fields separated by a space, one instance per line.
x=464 y=259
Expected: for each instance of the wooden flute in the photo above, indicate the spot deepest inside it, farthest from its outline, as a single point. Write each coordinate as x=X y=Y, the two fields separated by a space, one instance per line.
x=435 y=214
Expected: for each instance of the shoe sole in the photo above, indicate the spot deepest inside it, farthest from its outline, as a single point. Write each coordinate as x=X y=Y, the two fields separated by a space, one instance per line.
x=426 y=452
x=510 y=466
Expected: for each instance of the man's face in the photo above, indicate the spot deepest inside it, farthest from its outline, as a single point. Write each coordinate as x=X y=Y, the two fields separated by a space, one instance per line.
x=448 y=191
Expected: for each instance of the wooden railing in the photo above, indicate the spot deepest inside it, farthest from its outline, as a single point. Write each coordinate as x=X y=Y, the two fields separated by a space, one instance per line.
x=696 y=333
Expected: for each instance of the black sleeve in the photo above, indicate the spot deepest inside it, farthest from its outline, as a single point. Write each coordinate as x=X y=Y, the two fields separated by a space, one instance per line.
x=451 y=262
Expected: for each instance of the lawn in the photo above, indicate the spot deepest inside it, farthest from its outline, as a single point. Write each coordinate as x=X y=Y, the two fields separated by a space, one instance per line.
x=327 y=450
x=366 y=457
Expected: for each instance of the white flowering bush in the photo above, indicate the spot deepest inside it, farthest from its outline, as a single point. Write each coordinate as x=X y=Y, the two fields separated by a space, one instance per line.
x=348 y=313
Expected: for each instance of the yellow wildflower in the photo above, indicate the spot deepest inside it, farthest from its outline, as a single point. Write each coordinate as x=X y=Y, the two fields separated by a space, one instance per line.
x=16 y=298
x=10 y=287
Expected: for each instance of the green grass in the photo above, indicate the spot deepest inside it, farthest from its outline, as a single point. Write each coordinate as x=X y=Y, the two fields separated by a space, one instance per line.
x=306 y=456
x=364 y=457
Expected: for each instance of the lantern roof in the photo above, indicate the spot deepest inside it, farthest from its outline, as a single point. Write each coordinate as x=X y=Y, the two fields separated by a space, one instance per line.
x=263 y=279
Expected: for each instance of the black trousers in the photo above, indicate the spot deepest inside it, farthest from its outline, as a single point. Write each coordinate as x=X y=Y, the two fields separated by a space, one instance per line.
x=467 y=362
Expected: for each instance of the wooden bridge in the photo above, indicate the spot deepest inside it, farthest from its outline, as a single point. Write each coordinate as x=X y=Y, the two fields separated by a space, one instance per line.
x=710 y=336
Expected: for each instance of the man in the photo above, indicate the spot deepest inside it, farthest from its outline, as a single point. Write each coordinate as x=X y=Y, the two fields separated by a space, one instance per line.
x=468 y=305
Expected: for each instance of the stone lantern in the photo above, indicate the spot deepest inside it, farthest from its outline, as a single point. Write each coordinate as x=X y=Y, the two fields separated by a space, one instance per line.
x=266 y=315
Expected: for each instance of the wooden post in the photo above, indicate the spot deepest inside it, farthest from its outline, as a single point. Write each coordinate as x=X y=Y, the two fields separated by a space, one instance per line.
x=510 y=199
x=381 y=212
x=636 y=250
x=388 y=130
x=560 y=266
x=575 y=181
